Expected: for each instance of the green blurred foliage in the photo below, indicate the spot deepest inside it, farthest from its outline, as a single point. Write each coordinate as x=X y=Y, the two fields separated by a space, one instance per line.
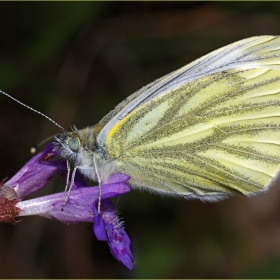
x=74 y=61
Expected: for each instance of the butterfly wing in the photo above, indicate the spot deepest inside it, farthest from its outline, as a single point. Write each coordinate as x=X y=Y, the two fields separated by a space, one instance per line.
x=207 y=130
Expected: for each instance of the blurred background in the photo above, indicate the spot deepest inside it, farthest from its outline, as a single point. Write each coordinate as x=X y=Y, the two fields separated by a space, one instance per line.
x=74 y=62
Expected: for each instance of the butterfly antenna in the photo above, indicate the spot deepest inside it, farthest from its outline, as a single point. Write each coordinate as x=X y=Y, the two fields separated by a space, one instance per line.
x=38 y=112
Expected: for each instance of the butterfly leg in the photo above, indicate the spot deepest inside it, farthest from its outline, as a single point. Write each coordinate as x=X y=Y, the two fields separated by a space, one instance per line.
x=99 y=185
x=71 y=184
x=68 y=175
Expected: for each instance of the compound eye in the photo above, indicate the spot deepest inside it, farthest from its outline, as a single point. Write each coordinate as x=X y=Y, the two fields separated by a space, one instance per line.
x=74 y=144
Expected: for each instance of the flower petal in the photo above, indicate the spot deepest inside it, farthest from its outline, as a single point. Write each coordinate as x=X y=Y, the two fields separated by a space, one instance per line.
x=36 y=173
x=107 y=227
x=79 y=206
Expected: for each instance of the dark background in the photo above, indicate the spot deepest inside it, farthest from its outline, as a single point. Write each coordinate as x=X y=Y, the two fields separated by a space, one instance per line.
x=74 y=62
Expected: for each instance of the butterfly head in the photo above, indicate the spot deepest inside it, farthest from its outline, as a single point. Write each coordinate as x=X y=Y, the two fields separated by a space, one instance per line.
x=78 y=146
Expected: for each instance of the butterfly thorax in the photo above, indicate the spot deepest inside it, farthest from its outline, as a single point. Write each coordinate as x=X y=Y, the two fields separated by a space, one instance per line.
x=80 y=148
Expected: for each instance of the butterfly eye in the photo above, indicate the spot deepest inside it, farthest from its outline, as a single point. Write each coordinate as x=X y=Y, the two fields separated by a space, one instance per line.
x=74 y=144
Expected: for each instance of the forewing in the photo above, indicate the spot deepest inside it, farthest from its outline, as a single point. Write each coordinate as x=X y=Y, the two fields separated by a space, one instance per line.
x=254 y=52
x=207 y=138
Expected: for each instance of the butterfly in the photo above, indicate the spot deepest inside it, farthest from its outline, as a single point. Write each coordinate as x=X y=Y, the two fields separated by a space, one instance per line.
x=206 y=131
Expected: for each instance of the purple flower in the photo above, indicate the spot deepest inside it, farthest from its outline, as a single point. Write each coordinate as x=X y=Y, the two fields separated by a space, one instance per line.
x=80 y=207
